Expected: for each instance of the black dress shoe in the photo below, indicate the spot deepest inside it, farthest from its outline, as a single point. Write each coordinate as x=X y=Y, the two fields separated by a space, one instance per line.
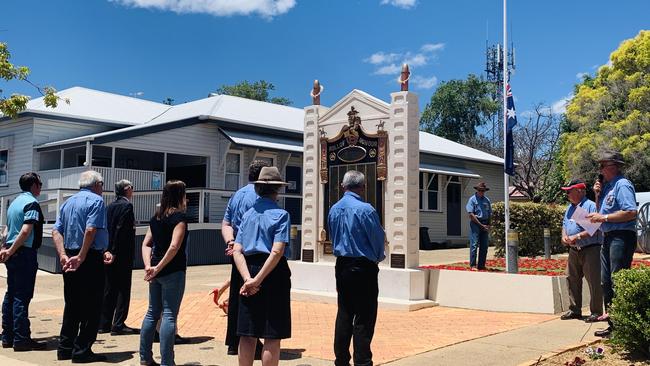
x=592 y=318
x=103 y=331
x=63 y=355
x=89 y=358
x=29 y=345
x=150 y=363
x=603 y=333
x=7 y=344
x=124 y=331
x=570 y=315
x=232 y=350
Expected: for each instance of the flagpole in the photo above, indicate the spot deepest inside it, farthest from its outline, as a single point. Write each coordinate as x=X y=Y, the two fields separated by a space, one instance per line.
x=506 y=183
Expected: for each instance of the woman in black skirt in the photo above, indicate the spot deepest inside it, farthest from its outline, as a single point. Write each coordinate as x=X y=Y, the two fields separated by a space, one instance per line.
x=260 y=254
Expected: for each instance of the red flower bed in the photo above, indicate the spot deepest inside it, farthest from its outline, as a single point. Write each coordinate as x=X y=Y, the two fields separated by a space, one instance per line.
x=527 y=266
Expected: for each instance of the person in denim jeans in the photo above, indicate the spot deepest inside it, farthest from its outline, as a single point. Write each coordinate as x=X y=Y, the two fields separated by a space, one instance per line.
x=616 y=205
x=24 y=233
x=479 y=209
x=165 y=263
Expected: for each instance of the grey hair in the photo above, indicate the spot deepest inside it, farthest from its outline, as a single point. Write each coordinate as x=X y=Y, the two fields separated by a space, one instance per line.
x=89 y=178
x=120 y=187
x=353 y=179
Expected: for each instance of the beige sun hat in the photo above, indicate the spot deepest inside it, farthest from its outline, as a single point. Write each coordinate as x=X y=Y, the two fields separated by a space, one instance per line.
x=270 y=175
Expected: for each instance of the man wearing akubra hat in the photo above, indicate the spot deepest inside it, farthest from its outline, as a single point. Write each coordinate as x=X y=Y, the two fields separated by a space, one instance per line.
x=584 y=255
x=479 y=209
x=616 y=203
x=260 y=253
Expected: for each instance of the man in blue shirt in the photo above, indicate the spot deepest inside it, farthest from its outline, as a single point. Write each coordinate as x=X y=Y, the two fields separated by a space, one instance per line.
x=584 y=255
x=80 y=236
x=239 y=203
x=24 y=233
x=358 y=242
x=616 y=203
x=479 y=209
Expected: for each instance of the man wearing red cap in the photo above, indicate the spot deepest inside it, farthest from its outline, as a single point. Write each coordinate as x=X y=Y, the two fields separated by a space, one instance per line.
x=584 y=255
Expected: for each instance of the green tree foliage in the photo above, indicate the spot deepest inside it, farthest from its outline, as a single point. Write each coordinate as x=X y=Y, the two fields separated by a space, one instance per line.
x=458 y=108
x=16 y=103
x=258 y=90
x=529 y=220
x=612 y=111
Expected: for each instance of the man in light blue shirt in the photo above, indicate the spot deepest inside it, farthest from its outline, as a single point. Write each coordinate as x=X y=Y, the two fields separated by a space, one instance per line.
x=358 y=241
x=80 y=236
x=616 y=204
x=584 y=255
x=24 y=233
x=479 y=209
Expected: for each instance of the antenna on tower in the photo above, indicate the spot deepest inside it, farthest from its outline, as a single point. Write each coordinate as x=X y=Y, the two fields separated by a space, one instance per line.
x=494 y=59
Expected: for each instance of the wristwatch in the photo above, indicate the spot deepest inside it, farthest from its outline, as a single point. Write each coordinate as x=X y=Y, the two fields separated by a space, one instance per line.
x=606 y=217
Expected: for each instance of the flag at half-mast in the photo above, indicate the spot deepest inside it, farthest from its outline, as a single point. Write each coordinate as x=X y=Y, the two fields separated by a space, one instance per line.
x=511 y=122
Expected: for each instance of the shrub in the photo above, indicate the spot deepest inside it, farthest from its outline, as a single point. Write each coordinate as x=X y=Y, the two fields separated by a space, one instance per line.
x=529 y=220
x=630 y=311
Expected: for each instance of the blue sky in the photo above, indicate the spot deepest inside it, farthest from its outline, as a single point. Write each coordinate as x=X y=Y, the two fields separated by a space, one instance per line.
x=185 y=49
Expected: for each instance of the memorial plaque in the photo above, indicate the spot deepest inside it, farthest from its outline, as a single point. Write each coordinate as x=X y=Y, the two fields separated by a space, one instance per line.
x=327 y=247
x=397 y=261
x=308 y=255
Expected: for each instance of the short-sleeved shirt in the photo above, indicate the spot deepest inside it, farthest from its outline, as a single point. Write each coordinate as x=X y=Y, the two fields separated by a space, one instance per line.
x=25 y=210
x=618 y=194
x=162 y=231
x=83 y=210
x=262 y=225
x=238 y=204
x=481 y=207
x=571 y=227
x=355 y=229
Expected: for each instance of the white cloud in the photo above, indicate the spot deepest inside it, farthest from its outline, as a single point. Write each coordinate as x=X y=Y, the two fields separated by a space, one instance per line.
x=387 y=63
x=421 y=82
x=559 y=107
x=382 y=58
x=404 y=4
x=263 y=8
x=432 y=47
x=581 y=75
x=390 y=69
x=137 y=94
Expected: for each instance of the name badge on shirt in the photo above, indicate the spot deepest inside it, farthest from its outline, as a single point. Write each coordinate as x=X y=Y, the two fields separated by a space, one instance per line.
x=609 y=200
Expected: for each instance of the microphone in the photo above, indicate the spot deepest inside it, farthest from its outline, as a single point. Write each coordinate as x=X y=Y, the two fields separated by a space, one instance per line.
x=600 y=178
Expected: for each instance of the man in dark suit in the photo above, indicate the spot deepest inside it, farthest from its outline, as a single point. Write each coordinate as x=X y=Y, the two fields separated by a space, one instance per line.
x=121 y=242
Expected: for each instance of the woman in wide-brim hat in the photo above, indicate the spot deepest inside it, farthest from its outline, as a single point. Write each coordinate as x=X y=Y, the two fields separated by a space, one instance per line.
x=260 y=253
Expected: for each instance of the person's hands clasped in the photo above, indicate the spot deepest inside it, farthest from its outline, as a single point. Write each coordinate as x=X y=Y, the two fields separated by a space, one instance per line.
x=73 y=263
x=108 y=258
x=229 y=248
x=150 y=273
x=250 y=287
x=485 y=227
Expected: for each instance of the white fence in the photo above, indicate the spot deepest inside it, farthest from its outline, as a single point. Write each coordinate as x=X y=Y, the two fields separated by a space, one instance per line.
x=68 y=178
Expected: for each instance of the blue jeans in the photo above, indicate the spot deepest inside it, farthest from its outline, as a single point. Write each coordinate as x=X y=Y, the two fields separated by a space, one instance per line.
x=165 y=296
x=478 y=239
x=21 y=277
x=616 y=254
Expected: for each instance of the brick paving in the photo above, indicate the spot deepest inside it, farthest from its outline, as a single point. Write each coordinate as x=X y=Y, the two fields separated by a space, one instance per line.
x=398 y=334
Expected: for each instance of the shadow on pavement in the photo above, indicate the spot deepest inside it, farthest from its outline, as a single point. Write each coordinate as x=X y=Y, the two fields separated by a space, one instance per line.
x=197 y=340
x=291 y=353
x=117 y=357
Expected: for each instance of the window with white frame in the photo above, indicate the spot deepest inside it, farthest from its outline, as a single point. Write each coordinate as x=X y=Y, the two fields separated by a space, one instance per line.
x=4 y=173
x=50 y=160
x=429 y=191
x=268 y=158
x=233 y=171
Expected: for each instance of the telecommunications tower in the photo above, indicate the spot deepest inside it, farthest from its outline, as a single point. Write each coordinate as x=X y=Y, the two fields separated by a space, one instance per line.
x=494 y=59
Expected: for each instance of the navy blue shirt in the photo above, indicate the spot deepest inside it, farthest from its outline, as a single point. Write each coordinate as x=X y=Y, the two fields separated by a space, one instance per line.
x=481 y=207
x=262 y=225
x=618 y=194
x=238 y=204
x=355 y=229
x=83 y=210
x=572 y=228
x=25 y=209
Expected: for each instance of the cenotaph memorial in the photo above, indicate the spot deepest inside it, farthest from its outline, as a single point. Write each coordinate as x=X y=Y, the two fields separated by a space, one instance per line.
x=381 y=140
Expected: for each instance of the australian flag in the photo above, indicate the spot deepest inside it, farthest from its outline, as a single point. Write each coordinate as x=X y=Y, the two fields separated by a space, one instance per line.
x=511 y=122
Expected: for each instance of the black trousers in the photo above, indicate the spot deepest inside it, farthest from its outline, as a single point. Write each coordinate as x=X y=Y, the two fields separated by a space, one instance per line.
x=233 y=306
x=357 y=288
x=117 y=293
x=83 y=291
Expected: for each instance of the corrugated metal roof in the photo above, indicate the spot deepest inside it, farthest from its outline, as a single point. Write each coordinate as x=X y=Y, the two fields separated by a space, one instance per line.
x=99 y=106
x=96 y=105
